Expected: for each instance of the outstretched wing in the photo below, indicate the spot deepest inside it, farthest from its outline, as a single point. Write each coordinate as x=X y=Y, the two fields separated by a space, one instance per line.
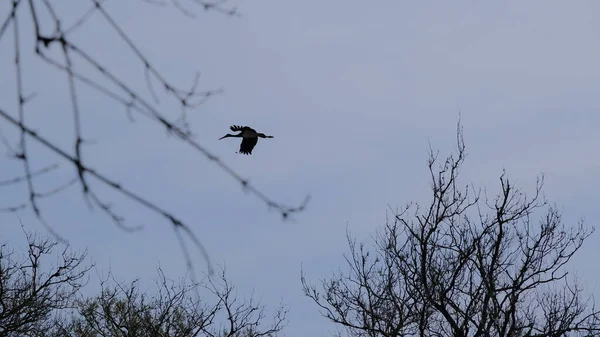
x=247 y=145
x=241 y=128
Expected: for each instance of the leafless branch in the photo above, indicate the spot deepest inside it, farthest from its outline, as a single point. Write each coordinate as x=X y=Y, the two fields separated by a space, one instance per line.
x=451 y=269
x=32 y=288
x=74 y=57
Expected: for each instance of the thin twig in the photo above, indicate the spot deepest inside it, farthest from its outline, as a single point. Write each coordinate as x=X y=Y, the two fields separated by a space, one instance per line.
x=84 y=18
x=17 y=180
x=10 y=17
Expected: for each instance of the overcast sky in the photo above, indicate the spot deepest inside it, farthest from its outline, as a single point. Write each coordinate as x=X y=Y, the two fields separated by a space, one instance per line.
x=353 y=93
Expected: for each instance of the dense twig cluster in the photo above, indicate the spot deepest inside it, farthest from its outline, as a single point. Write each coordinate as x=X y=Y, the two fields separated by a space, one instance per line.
x=30 y=293
x=54 y=34
x=455 y=269
x=124 y=310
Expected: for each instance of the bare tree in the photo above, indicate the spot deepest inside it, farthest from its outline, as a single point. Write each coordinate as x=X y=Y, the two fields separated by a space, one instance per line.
x=32 y=288
x=175 y=311
x=55 y=47
x=463 y=266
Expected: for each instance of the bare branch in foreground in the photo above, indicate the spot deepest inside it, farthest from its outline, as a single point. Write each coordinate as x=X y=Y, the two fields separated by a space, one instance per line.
x=49 y=33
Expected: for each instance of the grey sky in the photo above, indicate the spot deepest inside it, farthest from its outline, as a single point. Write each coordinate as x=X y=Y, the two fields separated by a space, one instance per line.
x=353 y=92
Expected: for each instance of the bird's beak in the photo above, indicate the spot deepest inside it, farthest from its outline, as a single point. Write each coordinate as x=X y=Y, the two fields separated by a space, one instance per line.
x=223 y=137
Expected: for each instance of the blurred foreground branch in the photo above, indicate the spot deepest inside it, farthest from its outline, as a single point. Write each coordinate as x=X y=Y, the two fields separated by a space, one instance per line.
x=52 y=33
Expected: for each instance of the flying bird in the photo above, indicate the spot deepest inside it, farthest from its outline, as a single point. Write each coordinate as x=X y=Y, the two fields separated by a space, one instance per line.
x=249 y=137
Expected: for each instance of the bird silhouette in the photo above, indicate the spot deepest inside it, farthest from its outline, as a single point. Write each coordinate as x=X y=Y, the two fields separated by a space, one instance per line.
x=249 y=138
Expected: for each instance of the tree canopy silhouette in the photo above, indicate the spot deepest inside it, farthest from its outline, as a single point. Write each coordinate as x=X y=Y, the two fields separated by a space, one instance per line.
x=463 y=265
x=32 y=288
x=41 y=295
